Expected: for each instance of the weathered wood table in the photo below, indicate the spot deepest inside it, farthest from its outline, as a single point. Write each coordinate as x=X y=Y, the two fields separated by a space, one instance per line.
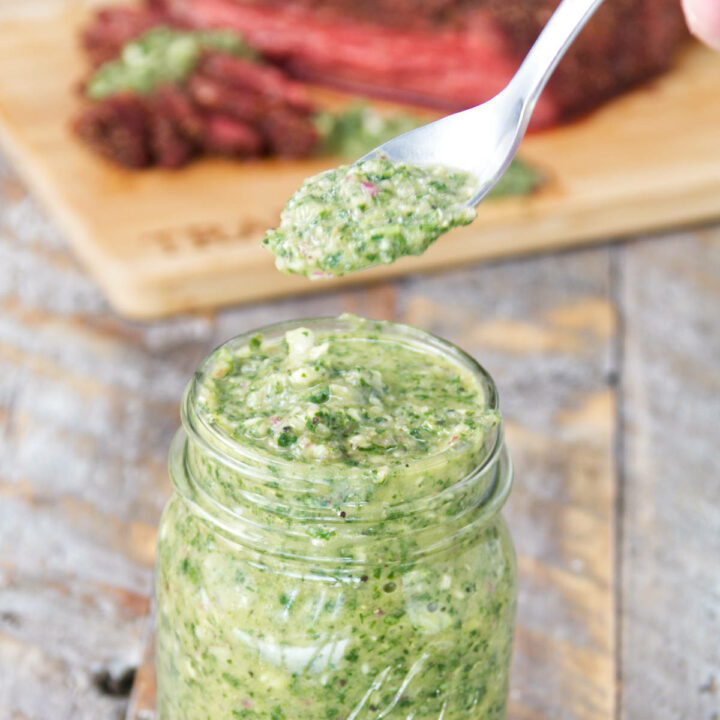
x=608 y=363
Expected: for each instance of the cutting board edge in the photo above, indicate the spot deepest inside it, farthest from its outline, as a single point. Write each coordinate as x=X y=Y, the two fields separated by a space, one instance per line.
x=155 y=297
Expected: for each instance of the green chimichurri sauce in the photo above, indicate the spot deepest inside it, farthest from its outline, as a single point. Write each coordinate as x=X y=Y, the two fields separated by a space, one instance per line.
x=414 y=617
x=339 y=398
x=161 y=55
x=354 y=131
x=371 y=213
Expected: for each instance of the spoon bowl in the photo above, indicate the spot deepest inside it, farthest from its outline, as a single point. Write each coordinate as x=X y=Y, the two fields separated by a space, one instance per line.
x=484 y=139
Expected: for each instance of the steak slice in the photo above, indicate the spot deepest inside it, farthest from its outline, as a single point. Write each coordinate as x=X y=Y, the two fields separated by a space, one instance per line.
x=449 y=54
x=119 y=129
x=226 y=106
x=112 y=27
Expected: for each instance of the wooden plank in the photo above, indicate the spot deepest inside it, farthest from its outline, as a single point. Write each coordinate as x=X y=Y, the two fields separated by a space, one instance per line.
x=670 y=622
x=11 y=10
x=160 y=242
x=551 y=350
x=86 y=410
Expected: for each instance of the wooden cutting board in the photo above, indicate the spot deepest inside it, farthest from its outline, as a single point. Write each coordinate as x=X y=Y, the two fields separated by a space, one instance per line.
x=160 y=242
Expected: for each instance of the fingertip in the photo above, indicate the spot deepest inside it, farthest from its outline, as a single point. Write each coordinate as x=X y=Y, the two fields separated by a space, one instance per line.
x=703 y=18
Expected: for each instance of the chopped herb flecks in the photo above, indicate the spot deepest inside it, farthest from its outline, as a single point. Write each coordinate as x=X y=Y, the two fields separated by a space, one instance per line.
x=354 y=399
x=371 y=213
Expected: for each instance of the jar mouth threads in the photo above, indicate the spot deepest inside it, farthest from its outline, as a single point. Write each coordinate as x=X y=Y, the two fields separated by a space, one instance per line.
x=250 y=492
x=336 y=541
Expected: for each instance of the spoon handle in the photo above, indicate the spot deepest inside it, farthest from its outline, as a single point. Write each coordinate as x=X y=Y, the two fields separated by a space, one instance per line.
x=558 y=34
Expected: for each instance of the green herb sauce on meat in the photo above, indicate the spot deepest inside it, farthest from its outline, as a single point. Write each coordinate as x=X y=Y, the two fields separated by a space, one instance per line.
x=161 y=55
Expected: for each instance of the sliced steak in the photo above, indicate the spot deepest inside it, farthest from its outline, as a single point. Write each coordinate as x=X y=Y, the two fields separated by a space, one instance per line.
x=227 y=106
x=265 y=80
x=447 y=53
x=170 y=145
x=225 y=135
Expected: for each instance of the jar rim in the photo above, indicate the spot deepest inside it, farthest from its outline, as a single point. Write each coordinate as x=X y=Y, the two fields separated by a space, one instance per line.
x=251 y=461
x=474 y=496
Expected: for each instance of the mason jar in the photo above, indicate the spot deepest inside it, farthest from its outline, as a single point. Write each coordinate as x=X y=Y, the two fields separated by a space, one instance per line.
x=281 y=597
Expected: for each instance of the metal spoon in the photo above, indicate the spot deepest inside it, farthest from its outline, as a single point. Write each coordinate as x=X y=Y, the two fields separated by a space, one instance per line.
x=484 y=139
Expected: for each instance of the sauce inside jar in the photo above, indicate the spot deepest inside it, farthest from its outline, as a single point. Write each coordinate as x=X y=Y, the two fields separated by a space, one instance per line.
x=334 y=549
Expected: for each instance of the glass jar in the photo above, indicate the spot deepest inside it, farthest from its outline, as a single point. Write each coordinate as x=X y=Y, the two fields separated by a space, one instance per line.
x=275 y=600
